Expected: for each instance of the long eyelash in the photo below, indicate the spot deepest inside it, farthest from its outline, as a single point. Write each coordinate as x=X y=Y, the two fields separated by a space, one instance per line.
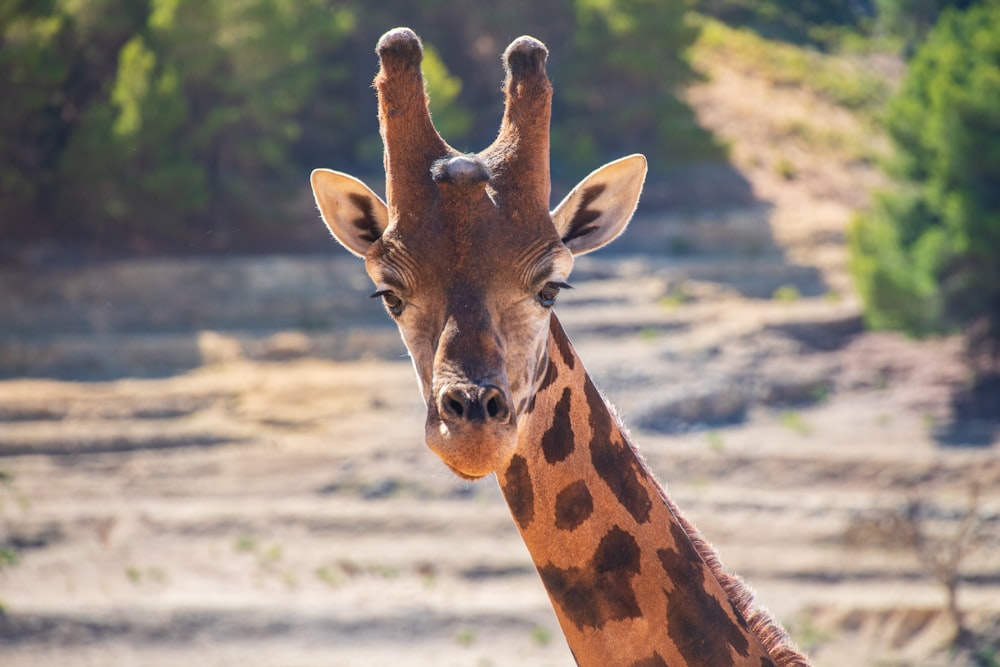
x=381 y=292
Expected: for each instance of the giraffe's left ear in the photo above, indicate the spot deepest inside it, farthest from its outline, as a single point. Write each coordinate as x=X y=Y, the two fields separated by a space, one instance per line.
x=597 y=210
x=355 y=215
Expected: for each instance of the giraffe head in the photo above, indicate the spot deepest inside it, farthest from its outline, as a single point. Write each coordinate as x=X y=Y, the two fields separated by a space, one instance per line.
x=465 y=254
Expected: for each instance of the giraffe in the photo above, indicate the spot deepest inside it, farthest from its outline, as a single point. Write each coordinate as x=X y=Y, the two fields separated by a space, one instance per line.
x=469 y=261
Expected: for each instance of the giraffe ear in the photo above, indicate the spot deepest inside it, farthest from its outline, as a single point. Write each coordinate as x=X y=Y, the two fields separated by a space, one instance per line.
x=355 y=215
x=597 y=210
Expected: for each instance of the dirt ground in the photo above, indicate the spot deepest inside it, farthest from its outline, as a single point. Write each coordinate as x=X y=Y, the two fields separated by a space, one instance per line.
x=219 y=462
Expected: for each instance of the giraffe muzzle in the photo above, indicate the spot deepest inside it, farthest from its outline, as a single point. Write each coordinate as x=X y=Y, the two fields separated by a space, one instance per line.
x=472 y=428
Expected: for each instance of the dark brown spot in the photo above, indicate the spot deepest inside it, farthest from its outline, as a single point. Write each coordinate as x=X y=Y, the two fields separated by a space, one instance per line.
x=602 y=591
x=654 y=660
x=557 y=442
x=562 y=341
x=767 y=662
x=551 y=373
x=696 y=621
x=367 y=224
x=574 y=505
x=615 y=462
x=567 y=352
x=584 y=215
x=518 y=491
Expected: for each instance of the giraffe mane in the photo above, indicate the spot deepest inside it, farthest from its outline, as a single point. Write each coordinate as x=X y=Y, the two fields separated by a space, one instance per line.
x=773 y=637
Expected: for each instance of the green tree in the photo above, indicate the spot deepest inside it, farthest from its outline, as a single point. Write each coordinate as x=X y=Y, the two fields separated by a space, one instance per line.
x=190 y=125
x=926 y=258
x=194 y=139
x=798 y=21
x=57 y=59
x=618 y=81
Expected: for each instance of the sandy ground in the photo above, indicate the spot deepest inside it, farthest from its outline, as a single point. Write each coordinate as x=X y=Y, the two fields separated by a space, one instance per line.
x=219 y=462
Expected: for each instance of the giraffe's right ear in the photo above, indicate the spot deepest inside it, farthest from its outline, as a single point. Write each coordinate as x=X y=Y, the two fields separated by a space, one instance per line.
x=597 y=210
x=355 y=215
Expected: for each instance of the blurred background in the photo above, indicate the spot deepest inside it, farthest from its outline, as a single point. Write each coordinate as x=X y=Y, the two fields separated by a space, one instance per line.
x=211 y=440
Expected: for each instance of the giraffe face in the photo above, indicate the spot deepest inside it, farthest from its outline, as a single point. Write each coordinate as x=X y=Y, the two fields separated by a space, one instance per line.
x=466 y=255
x=471 y=281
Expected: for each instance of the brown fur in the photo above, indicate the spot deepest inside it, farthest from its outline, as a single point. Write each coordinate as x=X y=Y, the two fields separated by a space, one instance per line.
x=772 y=635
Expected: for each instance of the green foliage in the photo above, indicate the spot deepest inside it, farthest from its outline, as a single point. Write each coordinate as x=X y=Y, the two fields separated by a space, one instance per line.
x=190 y=125
x=617 y=86
x=451 y=118
x=840 y=81
x=926 y=258
x=909 y=21
x=815 y=22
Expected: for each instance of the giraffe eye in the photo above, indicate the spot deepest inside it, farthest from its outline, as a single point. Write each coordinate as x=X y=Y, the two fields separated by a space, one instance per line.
x=392 y=302
x=547 y=296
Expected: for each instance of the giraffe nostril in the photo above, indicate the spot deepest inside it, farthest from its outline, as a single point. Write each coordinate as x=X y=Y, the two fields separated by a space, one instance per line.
x=454 y=406
x=495 y=402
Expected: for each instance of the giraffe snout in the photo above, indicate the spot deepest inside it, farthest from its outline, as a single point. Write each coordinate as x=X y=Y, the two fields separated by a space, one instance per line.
x=474 y=403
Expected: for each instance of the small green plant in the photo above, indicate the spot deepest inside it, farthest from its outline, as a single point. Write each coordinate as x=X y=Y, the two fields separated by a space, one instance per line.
x=649 y=333
x=928 y=421
x=808 y=635
x=715 y=441
x=466 y=637
x=786 y=169
x=245 y=543
x=787 y=294
x=987 y=656
x=270 y=555
x=137 y=575
x=327 y=576
x=9 y=557
x=677 y=295
x=541 y=635
x=383 y=570
x=428 y=574
x=820 y=393
x=793 y=421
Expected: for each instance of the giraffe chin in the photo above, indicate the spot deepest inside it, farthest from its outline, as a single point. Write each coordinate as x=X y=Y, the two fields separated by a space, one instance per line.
x=473 y=456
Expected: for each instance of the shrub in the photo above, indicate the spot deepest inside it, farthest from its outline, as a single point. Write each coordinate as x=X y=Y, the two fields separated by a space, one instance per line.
x=926 y=257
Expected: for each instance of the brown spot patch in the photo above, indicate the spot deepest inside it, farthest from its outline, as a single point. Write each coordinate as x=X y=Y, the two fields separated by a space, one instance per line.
x=574 y=505
x=697 y=622
x=551 y=373
x=518 y=491
x=557 y=441
x=615 y=462
x=562 y=341
x=602 y=591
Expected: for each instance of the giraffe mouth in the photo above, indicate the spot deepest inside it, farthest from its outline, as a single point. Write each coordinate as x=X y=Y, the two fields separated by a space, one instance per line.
x=467 y=477
x=472 y=451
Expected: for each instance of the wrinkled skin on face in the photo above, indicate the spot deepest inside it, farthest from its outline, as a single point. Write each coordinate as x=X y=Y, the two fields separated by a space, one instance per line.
x=473 y=305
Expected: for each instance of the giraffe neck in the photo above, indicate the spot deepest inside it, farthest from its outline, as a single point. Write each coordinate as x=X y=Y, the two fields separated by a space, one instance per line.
x=629 y=579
